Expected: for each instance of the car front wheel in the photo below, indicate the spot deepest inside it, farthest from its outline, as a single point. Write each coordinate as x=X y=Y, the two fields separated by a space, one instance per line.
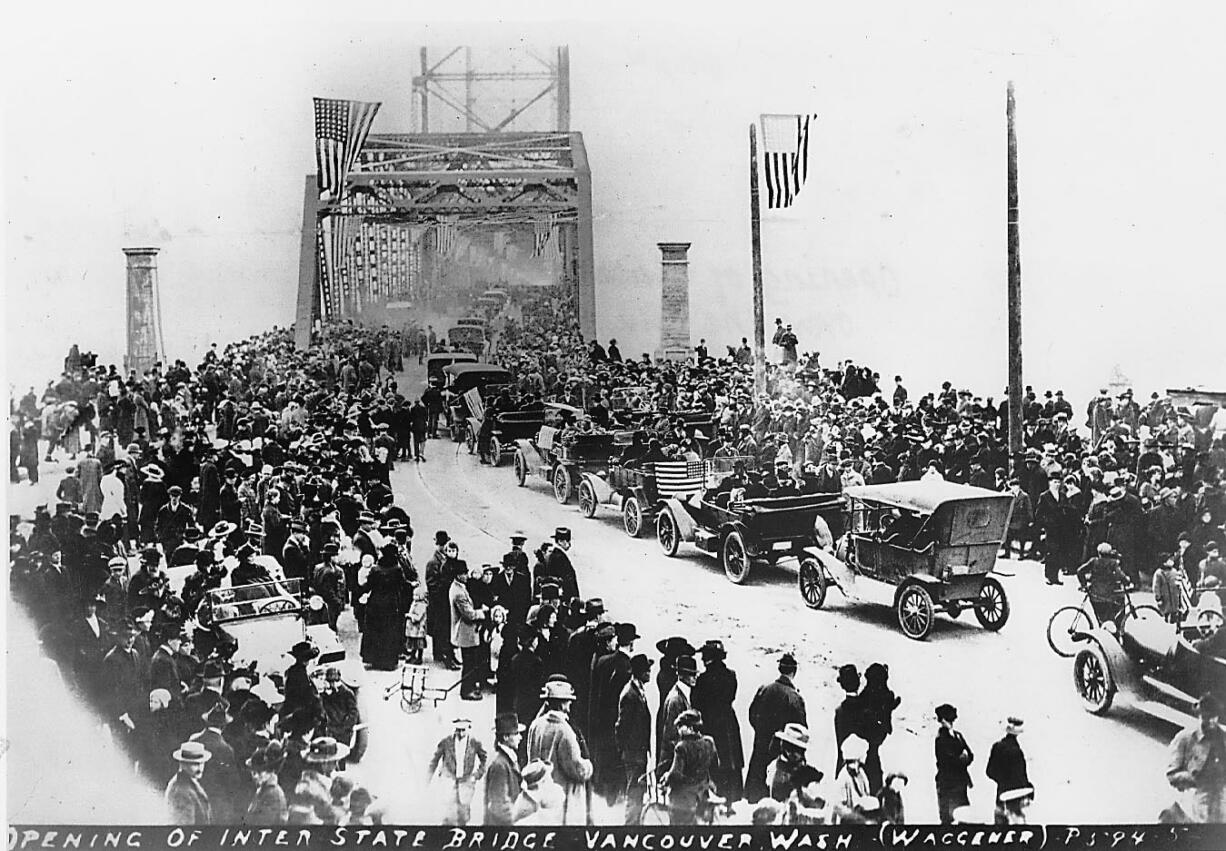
x=915 y=612
x=1093 y=680
x=735 y=558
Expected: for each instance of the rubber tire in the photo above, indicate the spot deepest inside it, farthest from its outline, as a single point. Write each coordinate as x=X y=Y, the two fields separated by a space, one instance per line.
x=668 y=534
x=563 y=485
x=733 y=542
x=632 y=517
x=521 y=469
x=991 y=586
x=813 y=584
x=587 y=499
x=495 y=451
x=923 y=614
x=470 y=442
x=1092 y=663
x=1068 y=648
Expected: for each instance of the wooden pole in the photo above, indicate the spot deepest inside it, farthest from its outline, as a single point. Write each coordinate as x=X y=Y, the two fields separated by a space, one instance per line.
x=755 y=232
x=1015 y=294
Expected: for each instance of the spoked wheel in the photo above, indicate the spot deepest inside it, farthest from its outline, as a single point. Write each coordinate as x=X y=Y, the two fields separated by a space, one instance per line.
x=992 y=607
x=562 y=486
x=521 y=469
x=587 y=499
x=667 y=534
x=632 y=517
x=470 y=442
x=1066 y=631
x=1093 y=680
x=812 y=583
x=495 y=451
x=277 y=604
x=915 y=612
x=735 y=558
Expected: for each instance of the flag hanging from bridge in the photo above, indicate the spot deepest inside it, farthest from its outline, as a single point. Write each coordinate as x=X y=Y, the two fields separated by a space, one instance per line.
x=542 y=231
x=445 y=232
x=334 y=234
x=341 y=127
x=785 y=157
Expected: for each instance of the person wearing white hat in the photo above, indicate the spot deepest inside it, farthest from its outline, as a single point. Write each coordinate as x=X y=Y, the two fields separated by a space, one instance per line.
x=552 y=738
x=852 y=798
x=1007 y=768
x=459 y=761
x=185 y=797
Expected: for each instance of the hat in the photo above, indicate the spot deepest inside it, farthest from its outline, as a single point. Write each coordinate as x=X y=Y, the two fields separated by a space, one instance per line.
x=854 y=748
x=212 y=670
x=551 y=592
x=605 y=631
x=794 y=734
x=222 y=529
x=1104 y=549
x=713 y=648
x=594 y=606
x=534 y=772
x=1210 y=546
x=689 y=718
x=193 y=752
x=326 y=749
x=787 y=662
x=626 y=632
x=268 y=758
x=1016 y=794
x=671 y=648
x=686 y=665
x=640 y=662
x=192 y=533
x=218 y=715
x=152 y=473
x=117 y=561
x=849 y=677
x=304 y=650
x=253 y=528
x=174 y=490
x=367 y=517
x=1013 y=724
x=518 y=537
x=946 y=712
x=558 y=690
x=561 y=533
x=507 y=724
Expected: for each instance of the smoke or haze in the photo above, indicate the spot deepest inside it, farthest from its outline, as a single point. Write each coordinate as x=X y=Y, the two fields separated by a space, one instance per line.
x=195 y=135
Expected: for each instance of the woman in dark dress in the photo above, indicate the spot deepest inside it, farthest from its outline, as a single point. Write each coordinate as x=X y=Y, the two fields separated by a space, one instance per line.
x=383 y=637
x=712 y=696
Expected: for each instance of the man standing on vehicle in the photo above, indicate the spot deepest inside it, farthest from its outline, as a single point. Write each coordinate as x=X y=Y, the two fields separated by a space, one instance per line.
x=1106 y=584
x=1198 y=764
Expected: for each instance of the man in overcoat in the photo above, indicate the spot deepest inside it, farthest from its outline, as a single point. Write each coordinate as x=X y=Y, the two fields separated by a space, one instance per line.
x=632 y=732
x=713 y=695
x=676 y=702
x=775 y=705
x=186 y=799
x=953 y=756
x=503 y=780
x=610 y=674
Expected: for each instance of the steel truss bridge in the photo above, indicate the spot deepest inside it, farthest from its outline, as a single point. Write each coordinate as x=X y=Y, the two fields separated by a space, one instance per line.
x=414 y=201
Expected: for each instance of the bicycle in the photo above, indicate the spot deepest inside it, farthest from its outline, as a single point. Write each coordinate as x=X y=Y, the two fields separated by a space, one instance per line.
x=1069 y=624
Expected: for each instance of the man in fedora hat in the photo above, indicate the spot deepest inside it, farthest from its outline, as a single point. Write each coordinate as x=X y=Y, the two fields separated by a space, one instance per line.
x=610 y=674
x=553 y=739
x=558 y=566
x=186 y=800
x=775 y=705
x=714 y=691
x=328 y=582
x=268 y=804
x=953 y=756
x=1007 y=767
x=225 y=784
x=186 y=552
x=313 y=791
x=503 y=780
x=125 y=673
x=340 y=706
x=792 y=743
x=459 y=761
x=676 y=702
x=632 y=733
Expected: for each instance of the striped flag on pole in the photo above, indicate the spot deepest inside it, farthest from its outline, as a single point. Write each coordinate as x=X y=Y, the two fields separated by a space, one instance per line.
x=785 y=157
x=674 y=478
x=341 y=127
x=445 y=235
x=540 y=238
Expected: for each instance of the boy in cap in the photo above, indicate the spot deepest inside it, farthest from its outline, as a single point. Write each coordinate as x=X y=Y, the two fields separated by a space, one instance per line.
x=1007 y=768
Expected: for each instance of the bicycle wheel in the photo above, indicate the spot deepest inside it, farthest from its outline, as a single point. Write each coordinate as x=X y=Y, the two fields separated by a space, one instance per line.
x=1064 y=628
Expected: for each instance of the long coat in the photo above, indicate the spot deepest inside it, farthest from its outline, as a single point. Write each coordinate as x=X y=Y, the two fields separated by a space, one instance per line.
x=465 y=622
x=667 y=736
x=713 y=696
x=689 y=775
x=502 y=786
x=526 y=678
x=552 y=739
x=953 y=757
x=89 y=471
x=187 y=801
x=610 y=673
x=1007 y=765
x=632 y=730
x=383 y=620
x=558 y=566
x=223 y=780
x=438 y=606
x=775 y=705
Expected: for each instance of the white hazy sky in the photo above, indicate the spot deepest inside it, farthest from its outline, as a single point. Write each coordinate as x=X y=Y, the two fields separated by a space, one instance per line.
x=193 y=133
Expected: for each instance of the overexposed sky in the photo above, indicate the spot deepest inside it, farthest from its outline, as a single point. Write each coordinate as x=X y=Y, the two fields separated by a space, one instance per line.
x=194 y=133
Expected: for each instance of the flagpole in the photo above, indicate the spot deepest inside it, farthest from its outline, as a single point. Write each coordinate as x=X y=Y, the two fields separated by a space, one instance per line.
x=755 y=233
x=1015 y=290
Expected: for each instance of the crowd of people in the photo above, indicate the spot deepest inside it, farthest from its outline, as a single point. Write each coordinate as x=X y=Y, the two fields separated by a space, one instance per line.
x=268 y=463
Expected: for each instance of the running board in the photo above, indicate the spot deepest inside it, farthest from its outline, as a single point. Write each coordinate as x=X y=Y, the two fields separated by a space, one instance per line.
x=1168 y=690
x=1164 y=712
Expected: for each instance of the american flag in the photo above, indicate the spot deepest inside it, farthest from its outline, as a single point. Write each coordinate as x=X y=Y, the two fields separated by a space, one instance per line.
x=445 y=235
x=543 y=229
x=334 y=242
x=674 y=478
x=785 y=157
x=341 y=127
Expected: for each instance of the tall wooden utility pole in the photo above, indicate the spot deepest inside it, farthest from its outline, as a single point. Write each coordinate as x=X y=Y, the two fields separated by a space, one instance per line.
x=755 y=233
x=1015 y=295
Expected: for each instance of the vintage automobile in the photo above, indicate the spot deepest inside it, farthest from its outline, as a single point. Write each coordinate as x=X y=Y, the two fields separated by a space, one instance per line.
x=638 y=490
x=918 y=547
x=459 y=380
x=267 y=619
x=469 y=338
x=560 y=455
x=509 y=427
x=745 y=532
x=436 y=363
x=1150 y=665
